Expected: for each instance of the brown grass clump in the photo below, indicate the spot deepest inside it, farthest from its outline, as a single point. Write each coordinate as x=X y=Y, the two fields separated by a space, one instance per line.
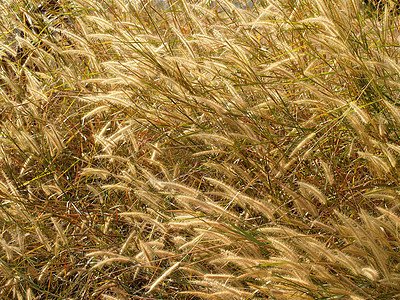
x=199 y=149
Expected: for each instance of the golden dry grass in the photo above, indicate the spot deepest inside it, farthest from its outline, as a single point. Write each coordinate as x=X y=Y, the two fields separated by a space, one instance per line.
x=199 y=150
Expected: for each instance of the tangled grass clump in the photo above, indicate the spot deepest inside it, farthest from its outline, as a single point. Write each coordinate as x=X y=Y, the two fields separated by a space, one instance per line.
x=199 y=150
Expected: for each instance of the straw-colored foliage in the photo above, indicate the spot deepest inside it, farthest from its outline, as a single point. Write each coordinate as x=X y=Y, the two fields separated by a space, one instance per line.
x=198 y=149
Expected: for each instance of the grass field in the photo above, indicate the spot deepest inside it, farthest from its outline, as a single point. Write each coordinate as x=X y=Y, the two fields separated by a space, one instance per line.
x=199 y=150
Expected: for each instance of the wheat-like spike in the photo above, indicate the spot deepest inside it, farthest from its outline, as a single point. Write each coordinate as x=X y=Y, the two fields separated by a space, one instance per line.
x=302 y=144
x=328 y=172
x=111 y=261
x=96 y=111
x=5 y=189
x=150 y=199
x=20 y=240
x=221 y=168
x=151 y=179
x=194 y=242
x=313 y=191
x=284 y=168
x=107 y=223
x=185 y=221
x=54 y=137
x=380 y=194
x=102 y=253
x=207 y=205
x=303 y=204
x=394 y=110
x=150 y=219
x=30 y=295
x=239 y=260
x=371 y=273
x=204 y=295
x=60 y=231
x=377 y=163
x=160 y=279
x=394 y=148
x=95 y=192
x=219 y=237
x=147 y=252
x=42 y=238
x=235 y=292
x=389 y=156
x=43 y=273
x=364 y=238
x=214 y=138
x=103 y=174
x=185 y=42
x=180 y=187
x=208 y=152
x=118 y=187
x=323 y=226
x=359 y=128
x=109 y=297
x=119 y=134
x=360 y=112
x=285 y=250
x=25 y=165
x=111 y=158
x=7 y=249
x=127 y=241
x=393 y=217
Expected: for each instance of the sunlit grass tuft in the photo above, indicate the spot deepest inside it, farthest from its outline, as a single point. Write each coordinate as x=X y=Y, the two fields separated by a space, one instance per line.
x=199 y=149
